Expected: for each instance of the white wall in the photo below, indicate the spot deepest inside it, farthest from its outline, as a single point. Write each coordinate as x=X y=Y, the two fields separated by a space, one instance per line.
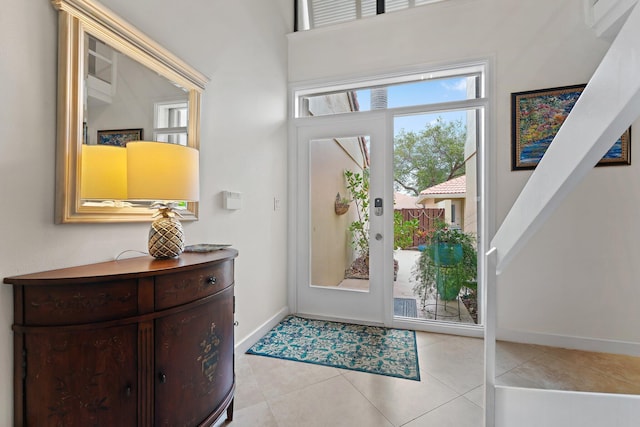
x=243 y=48
x=575 y=283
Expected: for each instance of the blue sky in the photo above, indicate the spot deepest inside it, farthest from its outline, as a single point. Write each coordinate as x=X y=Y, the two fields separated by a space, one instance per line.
x=416 y=93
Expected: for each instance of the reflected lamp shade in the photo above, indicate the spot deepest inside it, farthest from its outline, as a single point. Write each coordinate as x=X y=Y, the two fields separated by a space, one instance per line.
x=162 y=171
x=103 y=174
x=166 y=173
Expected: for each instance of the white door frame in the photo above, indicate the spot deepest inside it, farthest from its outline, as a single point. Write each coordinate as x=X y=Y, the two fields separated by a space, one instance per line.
x=486 y=182
x=372 y=307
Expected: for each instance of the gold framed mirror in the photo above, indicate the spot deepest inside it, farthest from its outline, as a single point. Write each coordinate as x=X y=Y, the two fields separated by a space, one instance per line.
x=115 y=84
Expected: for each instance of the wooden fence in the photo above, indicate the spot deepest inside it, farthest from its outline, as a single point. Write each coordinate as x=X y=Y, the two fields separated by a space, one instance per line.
x=426 y=220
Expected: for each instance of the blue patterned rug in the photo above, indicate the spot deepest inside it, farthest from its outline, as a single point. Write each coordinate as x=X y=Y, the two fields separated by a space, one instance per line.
x=382 y=351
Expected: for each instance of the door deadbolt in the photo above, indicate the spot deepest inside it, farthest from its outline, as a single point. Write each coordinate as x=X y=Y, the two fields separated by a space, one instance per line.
x=377 y=207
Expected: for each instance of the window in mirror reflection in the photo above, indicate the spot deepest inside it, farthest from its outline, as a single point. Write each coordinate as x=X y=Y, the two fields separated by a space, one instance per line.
x=122 y=93
x=100 y=60
x=171 y=119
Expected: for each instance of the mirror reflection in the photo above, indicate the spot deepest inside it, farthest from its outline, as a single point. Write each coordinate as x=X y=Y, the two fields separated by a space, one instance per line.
x=123 y=101
x=122 y=94
x=115 y=85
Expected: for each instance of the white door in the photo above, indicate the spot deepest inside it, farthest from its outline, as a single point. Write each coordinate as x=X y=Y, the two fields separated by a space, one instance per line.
x=338 y=258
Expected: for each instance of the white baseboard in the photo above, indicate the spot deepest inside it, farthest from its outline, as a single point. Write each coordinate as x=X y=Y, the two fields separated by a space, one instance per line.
x=245 y=344
x=565 y=341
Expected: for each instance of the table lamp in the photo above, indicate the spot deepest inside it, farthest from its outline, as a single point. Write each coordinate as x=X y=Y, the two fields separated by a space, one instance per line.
x=103 y=174
x=166 y=174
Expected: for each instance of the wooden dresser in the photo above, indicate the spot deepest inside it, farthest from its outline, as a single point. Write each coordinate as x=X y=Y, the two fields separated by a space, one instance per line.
x=135 y=342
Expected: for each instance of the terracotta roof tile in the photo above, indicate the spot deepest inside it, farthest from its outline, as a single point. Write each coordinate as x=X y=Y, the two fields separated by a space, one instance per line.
x=453 y=186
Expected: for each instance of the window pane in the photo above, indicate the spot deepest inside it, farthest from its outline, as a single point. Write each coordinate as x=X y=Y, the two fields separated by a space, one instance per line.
x=320 y=13
x=327 y=12
x=406 y=94
x=339 y=212
x=393 y=5
x=171 y=137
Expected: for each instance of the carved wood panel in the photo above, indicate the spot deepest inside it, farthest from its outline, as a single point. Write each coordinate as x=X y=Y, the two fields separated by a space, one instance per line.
x=57 y=305
x=82 y=378
x=194 y=361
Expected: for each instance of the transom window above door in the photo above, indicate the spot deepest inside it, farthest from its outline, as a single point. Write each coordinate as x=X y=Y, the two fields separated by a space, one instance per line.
x=444 y=87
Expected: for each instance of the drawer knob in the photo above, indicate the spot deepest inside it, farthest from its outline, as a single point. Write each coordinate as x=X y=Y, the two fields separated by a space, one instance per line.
x=128 y=391
x=162 y=377
x=212 y=280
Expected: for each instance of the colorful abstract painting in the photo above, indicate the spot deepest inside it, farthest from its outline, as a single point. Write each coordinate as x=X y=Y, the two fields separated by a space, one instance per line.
x=119 y=137
x=537 y=117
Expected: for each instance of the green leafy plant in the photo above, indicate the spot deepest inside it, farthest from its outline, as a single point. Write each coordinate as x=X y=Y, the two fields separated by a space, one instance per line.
x=431 y=277
x=358 y=187
x=403 y=231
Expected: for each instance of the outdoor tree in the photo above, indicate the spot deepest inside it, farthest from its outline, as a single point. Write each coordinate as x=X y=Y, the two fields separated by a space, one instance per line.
x=431 y=156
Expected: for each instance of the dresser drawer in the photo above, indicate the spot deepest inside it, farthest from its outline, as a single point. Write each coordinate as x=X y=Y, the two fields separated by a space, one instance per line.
x=83 y=303
x=180 y=288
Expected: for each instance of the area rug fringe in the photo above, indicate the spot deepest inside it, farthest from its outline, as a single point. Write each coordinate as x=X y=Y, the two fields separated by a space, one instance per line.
x=372 y=349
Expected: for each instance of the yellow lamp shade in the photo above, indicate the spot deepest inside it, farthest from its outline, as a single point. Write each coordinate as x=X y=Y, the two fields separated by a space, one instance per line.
x=103 y=173
x=162 y=171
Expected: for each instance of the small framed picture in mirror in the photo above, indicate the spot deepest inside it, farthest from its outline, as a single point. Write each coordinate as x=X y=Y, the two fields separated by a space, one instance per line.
x=119 y=137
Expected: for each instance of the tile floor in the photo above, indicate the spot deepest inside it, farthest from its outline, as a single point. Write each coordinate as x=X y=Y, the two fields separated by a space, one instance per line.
x=278 y=393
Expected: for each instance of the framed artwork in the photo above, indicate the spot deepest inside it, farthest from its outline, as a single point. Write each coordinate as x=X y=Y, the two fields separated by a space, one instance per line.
x=119 y=137
x=536 y=118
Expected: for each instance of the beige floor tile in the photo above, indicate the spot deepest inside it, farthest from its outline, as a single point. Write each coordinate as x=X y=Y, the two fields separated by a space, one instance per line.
x=248 y=391
x=511 y=354
x=401 y=400
x=512 y=379
x=277 y=376
x=331 y=403
x=457 y=413
x=618 y=366
x=457 y=362
x=427 y=338
x=279 y=393
x=551 y=372
x=476 y=396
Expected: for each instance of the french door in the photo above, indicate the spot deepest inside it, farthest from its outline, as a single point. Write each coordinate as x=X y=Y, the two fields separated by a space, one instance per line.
x=342 y=227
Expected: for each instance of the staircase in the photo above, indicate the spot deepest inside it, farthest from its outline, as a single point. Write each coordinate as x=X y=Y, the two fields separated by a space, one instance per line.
x=606 y=108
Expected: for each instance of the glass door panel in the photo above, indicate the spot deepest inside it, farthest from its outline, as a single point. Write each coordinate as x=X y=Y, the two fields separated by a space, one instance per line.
x=339 y=212
x=435 y=199
x=340 y=241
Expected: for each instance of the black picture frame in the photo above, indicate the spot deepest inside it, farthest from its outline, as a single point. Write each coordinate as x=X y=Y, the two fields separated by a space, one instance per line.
x=536 y=116
x=119 y=137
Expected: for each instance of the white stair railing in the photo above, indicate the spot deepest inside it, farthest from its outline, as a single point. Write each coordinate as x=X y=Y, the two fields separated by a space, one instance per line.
x=608 y=105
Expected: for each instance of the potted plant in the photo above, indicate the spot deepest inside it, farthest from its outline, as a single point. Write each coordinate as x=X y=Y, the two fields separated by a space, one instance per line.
x=448 y=262
x=341 y=205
